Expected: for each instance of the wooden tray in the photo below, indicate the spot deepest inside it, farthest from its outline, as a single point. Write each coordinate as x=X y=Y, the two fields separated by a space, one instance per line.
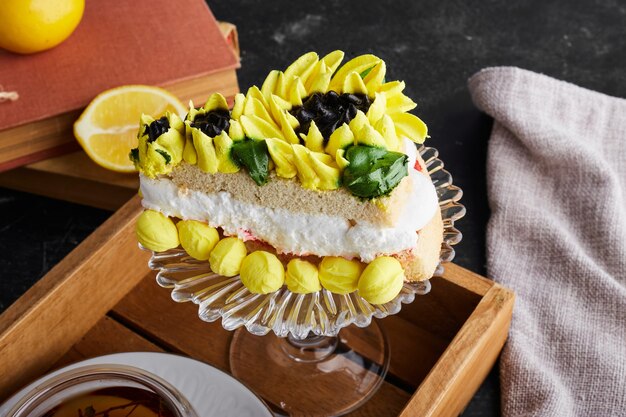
x=94 y=302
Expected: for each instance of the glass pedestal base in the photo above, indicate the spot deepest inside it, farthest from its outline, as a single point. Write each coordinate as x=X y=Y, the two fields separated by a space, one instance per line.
x=315 y=376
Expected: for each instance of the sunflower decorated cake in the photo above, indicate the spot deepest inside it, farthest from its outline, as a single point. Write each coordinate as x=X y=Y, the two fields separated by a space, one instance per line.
x=311 y=181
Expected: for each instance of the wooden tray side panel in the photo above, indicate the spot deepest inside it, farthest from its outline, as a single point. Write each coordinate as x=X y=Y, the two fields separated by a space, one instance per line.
x=465 y=364
x=57 y=311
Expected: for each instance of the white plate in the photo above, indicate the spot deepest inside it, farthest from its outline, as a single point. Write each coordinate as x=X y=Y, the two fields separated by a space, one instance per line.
x=210 y=391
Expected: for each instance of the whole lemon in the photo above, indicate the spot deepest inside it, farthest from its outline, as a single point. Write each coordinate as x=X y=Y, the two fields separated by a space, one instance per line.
x=28 y=26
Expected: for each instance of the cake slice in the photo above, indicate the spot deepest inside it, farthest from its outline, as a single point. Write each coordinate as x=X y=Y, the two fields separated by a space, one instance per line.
x=316 y=171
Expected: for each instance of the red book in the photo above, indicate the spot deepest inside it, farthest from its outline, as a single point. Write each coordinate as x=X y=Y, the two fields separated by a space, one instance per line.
x=177 y=45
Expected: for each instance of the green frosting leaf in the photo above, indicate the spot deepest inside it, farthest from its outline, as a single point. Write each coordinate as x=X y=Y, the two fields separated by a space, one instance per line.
x=165 y=155
x=373 y=171
x=367 y=71
x=254 y=156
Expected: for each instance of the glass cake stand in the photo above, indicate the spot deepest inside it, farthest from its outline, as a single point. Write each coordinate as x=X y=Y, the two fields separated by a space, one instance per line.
x=310 y=360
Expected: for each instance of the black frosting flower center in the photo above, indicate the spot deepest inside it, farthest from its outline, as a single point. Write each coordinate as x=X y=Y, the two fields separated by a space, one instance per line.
x=157 y=128
x=213 y=122
x=329 y=111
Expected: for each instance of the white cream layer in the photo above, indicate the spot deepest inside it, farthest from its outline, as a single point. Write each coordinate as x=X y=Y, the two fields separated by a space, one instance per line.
x=298 y=233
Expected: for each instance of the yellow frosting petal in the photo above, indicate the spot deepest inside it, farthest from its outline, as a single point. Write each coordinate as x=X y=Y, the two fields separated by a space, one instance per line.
x=235 y=131
x=387 y=129
x=153 y=163
x=287 y=127
x=306 y=174
x=189 y=152
x=392 y=87
x=191 y=114
x=410 y=126
x=302 y=277
x=312 y=75
x=310 y=72
x=326 y=171
x=354 y=84
x=320 y=82
x=341 y=138
x=282 y=155
x=381 y=281
x=172 y=140
x=257 y=128
x=309 y=75
x=324 y=158
x=341 y=162
x=275 y=110
x=339 y=275
x=377 y=108
x=238 y=106
x=197 y=238
x=314 y=139
x=285 y=120
x=282 y=103
x=333 y=59
x=175 y=121
x=358 y=65
x=207 y=158
x=223 y=144
x=291 y=119
x=399 y=103
x=216 y=101
x=262 y=272
x=254 y=107
x=357 y=123
x=369 y=136
x=329 y=65
x=227 y=256
x=302 y=64
x=375 y=78
x=269 y=85
x=282 y=86
x=297 y=93
x=254 y=92
x=145 y=120
x=156 y=231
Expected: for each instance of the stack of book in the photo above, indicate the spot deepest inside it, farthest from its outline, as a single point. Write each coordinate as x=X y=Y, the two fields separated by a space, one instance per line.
x=179 y=46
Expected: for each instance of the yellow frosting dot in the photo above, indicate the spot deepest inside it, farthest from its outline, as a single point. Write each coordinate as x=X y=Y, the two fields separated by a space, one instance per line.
x=226 y=257
x=339 y=275
x=302 y=277
x=382 y=280
x=197 y=238
x=156 y=231
x=262 y=272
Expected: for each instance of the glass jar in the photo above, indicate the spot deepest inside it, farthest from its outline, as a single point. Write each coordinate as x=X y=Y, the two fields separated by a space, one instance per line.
x=88 y=379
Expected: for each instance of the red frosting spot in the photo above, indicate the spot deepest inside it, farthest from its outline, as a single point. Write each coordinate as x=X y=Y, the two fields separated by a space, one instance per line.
x=417 y=166
x=247 y=235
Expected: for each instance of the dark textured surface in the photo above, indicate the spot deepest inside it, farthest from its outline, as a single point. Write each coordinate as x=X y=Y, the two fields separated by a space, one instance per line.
x=434 y=46
x=35 y=234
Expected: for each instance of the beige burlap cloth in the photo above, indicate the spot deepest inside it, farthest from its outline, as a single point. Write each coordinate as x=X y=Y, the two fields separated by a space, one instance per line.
x=556 y=175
